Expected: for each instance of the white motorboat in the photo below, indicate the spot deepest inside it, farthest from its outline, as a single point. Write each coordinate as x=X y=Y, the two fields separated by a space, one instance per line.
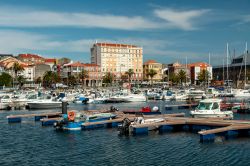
x=135 y=98
x=212 y=92
x=46 y=103
x=196 y=94
x=240 y=93
x=127 y=126
x=141 y=120
x=210 y=108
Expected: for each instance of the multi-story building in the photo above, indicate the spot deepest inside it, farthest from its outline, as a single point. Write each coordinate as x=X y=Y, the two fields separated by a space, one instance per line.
x=31 y=59
x=94 y=72
x=238 y=71
x=51 y=62
x=40 y=70
x=8 y=63
x=118 y=59
x=196 y=68
x=152 y=64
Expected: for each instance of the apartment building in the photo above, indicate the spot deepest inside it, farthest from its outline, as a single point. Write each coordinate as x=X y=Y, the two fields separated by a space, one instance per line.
x=118 y=58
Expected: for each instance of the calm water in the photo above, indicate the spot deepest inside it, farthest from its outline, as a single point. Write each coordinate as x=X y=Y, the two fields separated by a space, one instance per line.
x=29 y=143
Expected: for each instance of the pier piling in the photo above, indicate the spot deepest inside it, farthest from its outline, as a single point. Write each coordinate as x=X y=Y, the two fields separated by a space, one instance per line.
x=64 y=107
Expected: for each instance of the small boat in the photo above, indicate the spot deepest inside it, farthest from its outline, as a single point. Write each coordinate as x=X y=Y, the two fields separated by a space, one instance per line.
x=144 y=111
x=127 y=126
x=73 y=120
x=210 y=108
x=45 y=102
x=196 y=94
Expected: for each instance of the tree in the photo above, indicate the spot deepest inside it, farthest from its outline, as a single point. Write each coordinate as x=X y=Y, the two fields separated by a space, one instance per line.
x=129 y=73
x=151 y=73
x=108 y=78
x=6 y=79
x=50 y=78
x=83 y=75
x=21 y=80
x=38 y=80
x=203 y=76
x=124 y=77
x=182 y=76
x=17 y=67
x=173 y=78
x=72 y=80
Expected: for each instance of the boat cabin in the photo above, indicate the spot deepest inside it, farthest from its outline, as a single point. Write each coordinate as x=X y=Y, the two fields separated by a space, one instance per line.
x=209 y=104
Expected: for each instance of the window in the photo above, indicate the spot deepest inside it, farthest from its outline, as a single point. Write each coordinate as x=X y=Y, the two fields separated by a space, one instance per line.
x=215 y=106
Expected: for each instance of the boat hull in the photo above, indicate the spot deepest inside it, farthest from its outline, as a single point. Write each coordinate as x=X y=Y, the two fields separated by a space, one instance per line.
x=44 y=105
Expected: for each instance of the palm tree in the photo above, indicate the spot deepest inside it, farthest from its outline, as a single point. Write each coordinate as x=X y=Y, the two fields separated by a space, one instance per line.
x=130 y=72
x=38 y=80
x=173 y=77
x=16 y=68
x=21 y=80
x=203 y=75
x=182 y=76
x=6 y=79
x=108 y=78
x=83 y=75
x=151 y=73
x=72 y=80
x=50 y=78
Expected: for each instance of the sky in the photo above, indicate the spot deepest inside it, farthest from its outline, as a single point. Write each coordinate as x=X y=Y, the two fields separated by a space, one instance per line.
x=168 y=30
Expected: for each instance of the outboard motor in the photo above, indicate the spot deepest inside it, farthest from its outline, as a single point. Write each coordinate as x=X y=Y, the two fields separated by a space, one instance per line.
x=123 y=128
x=113 y=109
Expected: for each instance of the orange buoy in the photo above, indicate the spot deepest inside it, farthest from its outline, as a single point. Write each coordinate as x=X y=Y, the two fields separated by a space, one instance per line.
x=71 y=115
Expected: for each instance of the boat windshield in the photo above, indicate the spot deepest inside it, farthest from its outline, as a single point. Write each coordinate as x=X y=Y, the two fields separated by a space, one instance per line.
x=204 y=106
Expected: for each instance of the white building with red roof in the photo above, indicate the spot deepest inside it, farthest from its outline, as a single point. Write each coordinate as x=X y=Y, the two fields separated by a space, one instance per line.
x=94 y=72
x=118 y=59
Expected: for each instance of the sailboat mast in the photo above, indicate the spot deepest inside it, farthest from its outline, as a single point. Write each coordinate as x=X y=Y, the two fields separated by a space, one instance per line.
x=245 y=60
x=186 y=70
x=223 y=71
x=227 y=61
x=209 y=70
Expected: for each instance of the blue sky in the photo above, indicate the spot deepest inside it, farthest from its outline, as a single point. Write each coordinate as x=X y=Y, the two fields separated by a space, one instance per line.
x=167 y=30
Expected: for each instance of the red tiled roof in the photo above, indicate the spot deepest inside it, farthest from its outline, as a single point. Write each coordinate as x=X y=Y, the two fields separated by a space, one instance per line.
x=50 y=60
x=90 y=65
x=115 y=45
x=30 y=56
x=202 y=64
x=150 y=61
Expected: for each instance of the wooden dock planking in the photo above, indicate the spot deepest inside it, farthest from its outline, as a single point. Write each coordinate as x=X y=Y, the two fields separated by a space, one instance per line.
x=32 y=115
x=223 y=129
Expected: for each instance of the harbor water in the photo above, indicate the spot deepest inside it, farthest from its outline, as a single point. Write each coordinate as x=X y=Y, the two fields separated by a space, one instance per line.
x=28 y=143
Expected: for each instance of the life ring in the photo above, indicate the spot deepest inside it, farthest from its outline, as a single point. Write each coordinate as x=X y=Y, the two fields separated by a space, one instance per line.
x=71 y=115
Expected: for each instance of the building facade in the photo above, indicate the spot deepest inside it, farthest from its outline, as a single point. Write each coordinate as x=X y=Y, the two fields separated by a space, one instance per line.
x=118 y=59
x=31 y=59
x=152 y=64
x=7 y=66
x=94 y=72
x=196 y=68
x=40 y=70
x=235 y=71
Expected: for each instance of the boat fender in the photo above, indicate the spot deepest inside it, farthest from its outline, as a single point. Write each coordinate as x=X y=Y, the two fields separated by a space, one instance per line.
x=71 y=115
x=155 y=109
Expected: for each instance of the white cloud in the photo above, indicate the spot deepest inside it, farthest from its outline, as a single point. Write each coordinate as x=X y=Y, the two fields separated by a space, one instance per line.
x=18 y=17
x=16 y=42
x=169 y=18
x=185 y=20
